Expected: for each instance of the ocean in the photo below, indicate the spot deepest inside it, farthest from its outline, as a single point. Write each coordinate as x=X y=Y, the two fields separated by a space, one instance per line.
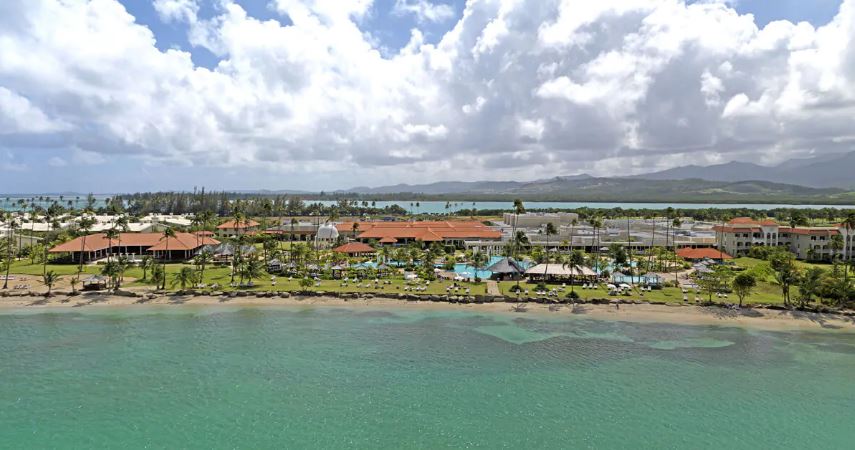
x=229 y=377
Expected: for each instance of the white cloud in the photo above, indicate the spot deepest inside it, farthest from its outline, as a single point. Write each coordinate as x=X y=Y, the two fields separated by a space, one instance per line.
x=517 y=88
x=177 y=10
x=424 y=10
x=19 y=115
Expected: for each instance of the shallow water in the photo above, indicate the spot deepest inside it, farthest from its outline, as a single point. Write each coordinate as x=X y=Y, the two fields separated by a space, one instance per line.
x=338 y=377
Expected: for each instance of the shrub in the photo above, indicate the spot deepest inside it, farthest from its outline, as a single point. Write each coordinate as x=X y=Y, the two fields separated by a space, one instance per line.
x=573 y=295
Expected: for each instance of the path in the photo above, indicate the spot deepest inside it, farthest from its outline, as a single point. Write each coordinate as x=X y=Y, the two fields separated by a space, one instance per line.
x=493 y=288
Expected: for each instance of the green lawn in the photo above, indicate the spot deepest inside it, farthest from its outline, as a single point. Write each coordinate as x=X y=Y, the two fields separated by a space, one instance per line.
x=221 y=275
x=765 y=293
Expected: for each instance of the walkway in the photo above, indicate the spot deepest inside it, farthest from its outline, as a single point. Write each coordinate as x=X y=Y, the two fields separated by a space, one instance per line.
x=493 y=288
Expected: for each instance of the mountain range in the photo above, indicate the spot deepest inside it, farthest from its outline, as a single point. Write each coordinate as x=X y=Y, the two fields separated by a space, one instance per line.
x=827 y=179
x=837 y=170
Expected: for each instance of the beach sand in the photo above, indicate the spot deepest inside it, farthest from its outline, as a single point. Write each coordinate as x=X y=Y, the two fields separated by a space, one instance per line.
x=766 y=319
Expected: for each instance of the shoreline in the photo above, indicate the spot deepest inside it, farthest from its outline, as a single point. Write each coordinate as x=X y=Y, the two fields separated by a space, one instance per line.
x=755 y=318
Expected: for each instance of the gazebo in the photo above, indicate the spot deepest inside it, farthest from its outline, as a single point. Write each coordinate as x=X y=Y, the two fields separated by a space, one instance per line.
x=506 y=268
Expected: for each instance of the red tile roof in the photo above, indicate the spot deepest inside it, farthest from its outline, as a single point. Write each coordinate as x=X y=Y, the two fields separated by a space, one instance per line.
x=230 y=225
x=428 y=231
x=749 y=221
x=810 y=231
x=354 y=248
x=702 y=253
x=99 y=241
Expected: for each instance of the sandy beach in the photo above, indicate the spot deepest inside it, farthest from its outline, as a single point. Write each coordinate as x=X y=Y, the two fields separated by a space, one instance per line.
x=766 y=319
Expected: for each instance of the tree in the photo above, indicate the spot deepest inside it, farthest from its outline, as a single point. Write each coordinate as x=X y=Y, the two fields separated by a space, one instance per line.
x=146 y=264
x=596 y=224
x=810 y=284
x=158 y=275
x=786 y=272
x=50 y=278
x=201 y=260
x=835 y=245
x=676 y=224
x=186 y=276
x=574 y=262
x=306 y=283
x=10 y=225
x=717 y=280
x=550 y=231
x=478 y=261
x=83 y=227
x=111 y=234
x=168 y=232
x=743 y=285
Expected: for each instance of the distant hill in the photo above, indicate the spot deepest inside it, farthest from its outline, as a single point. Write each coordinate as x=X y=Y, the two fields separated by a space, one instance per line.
x=587 y=188
x=820 y=172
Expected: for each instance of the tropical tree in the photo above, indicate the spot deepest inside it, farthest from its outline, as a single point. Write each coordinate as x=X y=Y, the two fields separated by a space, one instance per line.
x=786 y=272
x=186 y=276
x=83 y=226
x=50 y=279
x=549 y=231
x=596 y=223
x=810 y=284
x=575 y=262
x=158 y=275
x=110 y=234
x=10 y=221
x=743 y=285
x=519 y=208
x=168 y=232
x=146 y=263
x=479 y=259
x=201 y=260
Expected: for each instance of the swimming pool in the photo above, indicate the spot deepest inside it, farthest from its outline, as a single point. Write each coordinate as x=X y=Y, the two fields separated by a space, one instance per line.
x=468 y=271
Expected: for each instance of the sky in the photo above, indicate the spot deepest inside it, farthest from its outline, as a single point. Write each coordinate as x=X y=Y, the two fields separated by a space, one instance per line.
x=139 y=95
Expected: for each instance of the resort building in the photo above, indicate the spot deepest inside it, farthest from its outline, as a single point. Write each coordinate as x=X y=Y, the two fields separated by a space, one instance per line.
x=532 y=220
x=134 y=246
x=231 y=228
x=739 y=235
x=401 y=233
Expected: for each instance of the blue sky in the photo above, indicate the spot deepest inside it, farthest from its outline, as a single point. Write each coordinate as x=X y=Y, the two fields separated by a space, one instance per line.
x=538 y=89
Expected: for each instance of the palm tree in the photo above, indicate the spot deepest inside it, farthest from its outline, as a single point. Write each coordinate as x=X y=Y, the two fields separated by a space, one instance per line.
x=835 y=245
x=575 y=261
x=652 y=244
x=184 y=277
x=201 y=260
x=478 y=261
x=573 y=223
x=146 y=264
x=168 y=232
x=550 y=231
x=9 y=219
x=519 y=208
x=50 y=278
x=675 y=225
x=596 y=224
x=849 y=225
x=83 y=227
x=111 y=234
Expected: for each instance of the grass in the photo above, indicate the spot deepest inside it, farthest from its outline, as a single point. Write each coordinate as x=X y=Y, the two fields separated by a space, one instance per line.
x=221 y=275
x=765 y=293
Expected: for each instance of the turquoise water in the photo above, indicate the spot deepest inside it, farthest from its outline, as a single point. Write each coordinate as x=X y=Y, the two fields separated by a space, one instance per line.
x=468 y=271
x=336 y=377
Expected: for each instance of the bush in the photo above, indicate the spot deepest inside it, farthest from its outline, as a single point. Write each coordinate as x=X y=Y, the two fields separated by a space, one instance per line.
x=573 y=295
x=515 y=288
x=541 y=286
